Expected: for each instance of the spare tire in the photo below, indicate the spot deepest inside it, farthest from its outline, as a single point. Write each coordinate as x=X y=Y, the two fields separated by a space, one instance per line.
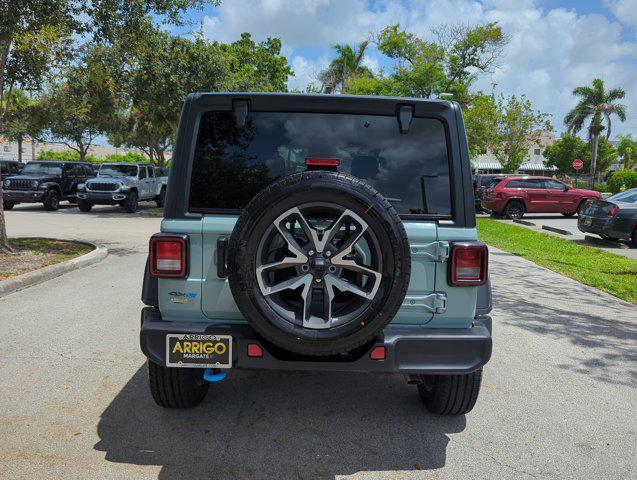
x=319 y=263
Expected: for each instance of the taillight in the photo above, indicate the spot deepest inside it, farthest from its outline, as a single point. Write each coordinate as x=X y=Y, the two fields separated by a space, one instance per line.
x=613 y=211
x=168 y=256
x=469 y=264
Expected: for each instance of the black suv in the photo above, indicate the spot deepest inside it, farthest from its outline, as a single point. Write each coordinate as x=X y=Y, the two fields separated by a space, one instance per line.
x=46 y=182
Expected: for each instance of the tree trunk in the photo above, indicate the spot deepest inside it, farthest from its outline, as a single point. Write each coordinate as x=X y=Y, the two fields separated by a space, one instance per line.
x=20 y=148
x=4 y=241
x=594 y=156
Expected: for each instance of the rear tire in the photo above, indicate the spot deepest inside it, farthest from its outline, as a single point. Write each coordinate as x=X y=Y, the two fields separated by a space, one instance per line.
x=51 y=200
x=8 y=205
x=633 y=239
x=450 y=394
x=84 y=206
x=514 y=209
x=131 y=203
x=161 y=198
x=176 y=387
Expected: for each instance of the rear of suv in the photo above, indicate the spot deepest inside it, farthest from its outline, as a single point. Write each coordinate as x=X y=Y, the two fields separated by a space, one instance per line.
x=309 y=232
x=515 y=196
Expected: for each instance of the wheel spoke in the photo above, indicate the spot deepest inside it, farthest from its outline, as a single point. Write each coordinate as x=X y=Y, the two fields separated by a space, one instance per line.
x=345 y=286
x=290 y=284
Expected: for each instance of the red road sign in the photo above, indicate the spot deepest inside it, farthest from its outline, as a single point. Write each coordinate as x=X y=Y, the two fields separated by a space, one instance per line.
x=578 y=164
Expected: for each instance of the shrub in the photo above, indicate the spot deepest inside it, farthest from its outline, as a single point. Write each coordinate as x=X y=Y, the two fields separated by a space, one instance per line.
x=126 y=157
x=622 y=180
x=66 y=156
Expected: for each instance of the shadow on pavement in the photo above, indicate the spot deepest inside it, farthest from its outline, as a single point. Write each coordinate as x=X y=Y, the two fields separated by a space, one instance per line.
x=275 y=425
x=103 y=211
x=605 y=327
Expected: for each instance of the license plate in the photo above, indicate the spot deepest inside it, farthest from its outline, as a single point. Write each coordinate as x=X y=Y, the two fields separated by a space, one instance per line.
x=588 y=221
x=198 y=351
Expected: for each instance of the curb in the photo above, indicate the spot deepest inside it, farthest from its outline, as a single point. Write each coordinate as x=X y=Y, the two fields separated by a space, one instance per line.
x=524 y=222
x=29 y=279
x=604 y=242
x=556 y=230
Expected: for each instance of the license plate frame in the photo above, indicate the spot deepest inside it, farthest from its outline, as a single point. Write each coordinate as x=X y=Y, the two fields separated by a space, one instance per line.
x=207 y=353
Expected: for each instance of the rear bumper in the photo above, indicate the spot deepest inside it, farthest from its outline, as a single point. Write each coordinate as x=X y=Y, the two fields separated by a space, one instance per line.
x=409 y=350
x=23 y=196
x=494 y=205
x=601 y=225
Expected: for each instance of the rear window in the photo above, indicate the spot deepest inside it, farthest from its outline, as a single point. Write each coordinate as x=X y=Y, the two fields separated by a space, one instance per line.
x=232 y=163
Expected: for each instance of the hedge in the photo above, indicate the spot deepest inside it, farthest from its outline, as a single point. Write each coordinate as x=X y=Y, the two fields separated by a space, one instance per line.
x=72 y=156
x=622 y=180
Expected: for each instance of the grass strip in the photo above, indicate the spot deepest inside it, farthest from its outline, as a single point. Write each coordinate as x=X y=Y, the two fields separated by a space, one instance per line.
x=611 y=273
x=41 y=252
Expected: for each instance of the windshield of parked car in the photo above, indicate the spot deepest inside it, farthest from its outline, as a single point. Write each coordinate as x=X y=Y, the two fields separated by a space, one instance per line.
x=233 y=163
x=42 y=168
x=629 y=196
x=117 y=171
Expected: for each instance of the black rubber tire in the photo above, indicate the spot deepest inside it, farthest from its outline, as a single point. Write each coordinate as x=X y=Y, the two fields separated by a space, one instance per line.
x=161 y=198
x=176 y=387
x=8 y=205
x=514 y=209
x=51 y=200
x=450 y=394
x=342 y=190
x=633 y=239
x=84 y=205
x=131 y=203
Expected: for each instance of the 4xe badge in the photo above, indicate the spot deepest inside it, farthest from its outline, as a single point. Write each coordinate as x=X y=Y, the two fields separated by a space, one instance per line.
x=182 y=297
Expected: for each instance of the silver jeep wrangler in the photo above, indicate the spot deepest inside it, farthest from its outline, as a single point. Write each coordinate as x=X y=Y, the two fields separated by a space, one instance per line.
x=123 y=184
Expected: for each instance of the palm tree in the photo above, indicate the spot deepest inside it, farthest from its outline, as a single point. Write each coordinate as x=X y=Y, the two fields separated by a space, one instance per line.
x=598 y=105
x=347 y=65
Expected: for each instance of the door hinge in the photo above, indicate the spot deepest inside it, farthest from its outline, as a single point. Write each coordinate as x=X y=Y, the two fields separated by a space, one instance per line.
x=434 y=302
x=436 y=251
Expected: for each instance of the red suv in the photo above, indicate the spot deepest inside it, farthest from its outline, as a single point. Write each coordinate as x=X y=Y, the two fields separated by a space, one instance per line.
x=515 y=196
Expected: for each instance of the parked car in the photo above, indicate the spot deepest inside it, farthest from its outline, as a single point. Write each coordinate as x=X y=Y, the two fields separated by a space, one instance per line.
x=613 y=219
x=124 y=184
x=46 y=182
x=10 y=167
x=306 y=232
x=482 y=181
x=514 y=197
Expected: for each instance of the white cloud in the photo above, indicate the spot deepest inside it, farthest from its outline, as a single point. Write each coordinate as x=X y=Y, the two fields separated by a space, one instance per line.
x=550 y=51
x=624 y=10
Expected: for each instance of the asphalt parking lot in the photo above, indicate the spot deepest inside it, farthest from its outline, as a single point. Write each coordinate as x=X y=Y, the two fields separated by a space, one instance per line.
x=558 y=401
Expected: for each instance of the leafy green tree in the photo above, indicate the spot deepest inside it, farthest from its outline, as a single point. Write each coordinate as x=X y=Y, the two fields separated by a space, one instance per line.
x=36 y=35
x=627 y=150
x=481 y=123
x=423 y=68
x=562 y=153
x=598 y=105
x=18 y=119
x=606 y=155
x=154 y=94
x=78 y=109
x=347 y=65
x=518 y=125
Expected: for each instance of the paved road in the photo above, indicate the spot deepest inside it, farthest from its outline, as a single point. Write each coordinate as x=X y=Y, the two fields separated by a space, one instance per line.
x=558 y=400
x=570 y=225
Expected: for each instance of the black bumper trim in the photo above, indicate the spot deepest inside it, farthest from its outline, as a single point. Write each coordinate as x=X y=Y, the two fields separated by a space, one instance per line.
x=24 y=196
x=410 y=350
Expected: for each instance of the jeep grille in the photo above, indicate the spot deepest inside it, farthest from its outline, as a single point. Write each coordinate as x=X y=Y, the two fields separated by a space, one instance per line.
x=102 y=186
x=18 y=184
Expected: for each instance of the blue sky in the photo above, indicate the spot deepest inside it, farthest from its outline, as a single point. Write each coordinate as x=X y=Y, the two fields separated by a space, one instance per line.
x=555 y=44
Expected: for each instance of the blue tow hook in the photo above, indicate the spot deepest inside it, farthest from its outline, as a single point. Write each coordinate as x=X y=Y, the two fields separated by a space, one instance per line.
x=210 y=376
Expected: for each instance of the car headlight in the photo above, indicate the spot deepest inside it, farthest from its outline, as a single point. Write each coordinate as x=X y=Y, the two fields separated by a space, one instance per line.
x=34 y=183
x=124 y=188
x=81 y=187
x=7 y=183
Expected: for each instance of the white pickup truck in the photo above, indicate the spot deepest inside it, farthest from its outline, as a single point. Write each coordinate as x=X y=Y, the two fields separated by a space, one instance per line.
x=124 y=184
